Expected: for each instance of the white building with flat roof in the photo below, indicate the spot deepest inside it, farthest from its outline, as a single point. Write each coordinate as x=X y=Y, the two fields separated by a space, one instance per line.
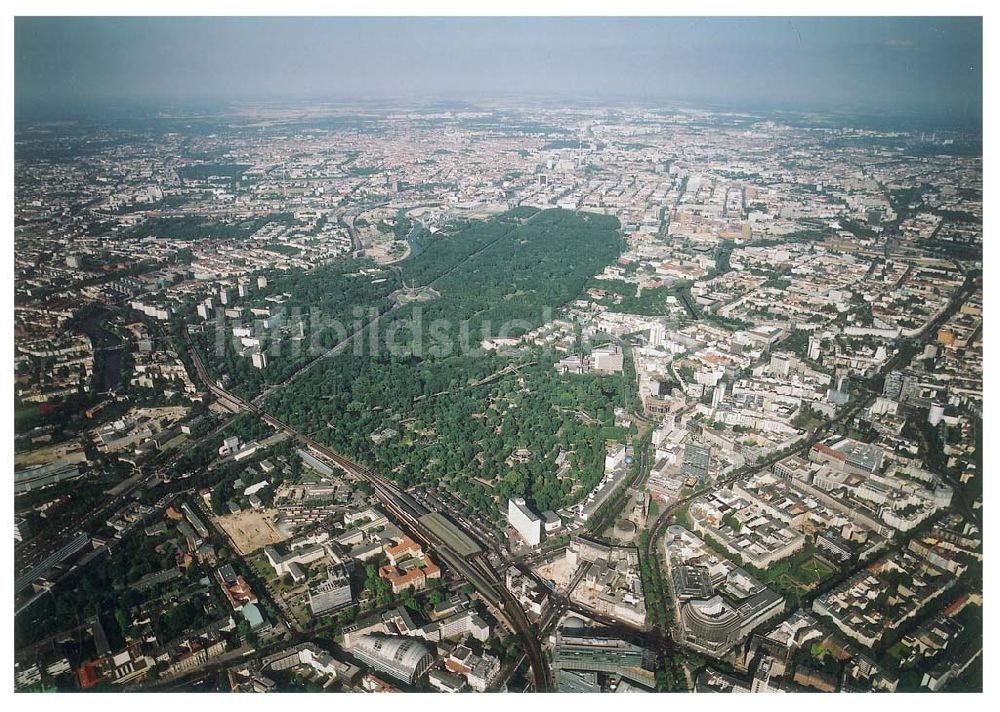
x=525 y=522
x=607 y=359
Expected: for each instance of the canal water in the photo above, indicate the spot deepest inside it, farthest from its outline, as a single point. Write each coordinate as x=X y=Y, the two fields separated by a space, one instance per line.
x=412 y=238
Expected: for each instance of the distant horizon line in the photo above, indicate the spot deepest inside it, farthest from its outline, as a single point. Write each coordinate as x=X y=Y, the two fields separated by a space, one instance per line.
x=199 y=107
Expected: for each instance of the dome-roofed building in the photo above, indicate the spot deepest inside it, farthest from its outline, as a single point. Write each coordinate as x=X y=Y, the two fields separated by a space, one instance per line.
x=573 y=623
x=405 y=659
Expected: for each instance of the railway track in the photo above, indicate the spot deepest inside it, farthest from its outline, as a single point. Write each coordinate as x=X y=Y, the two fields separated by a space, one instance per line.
x=475 y=569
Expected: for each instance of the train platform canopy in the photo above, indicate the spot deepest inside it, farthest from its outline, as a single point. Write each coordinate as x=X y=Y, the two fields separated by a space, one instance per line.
x=442 y=528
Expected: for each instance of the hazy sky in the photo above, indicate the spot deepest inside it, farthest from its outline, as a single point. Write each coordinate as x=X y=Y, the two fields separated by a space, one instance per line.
x=886 y=65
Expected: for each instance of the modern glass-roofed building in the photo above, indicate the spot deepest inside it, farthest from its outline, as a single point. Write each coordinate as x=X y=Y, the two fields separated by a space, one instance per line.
x=697 y=460
x=582 y=652
x=405 y=659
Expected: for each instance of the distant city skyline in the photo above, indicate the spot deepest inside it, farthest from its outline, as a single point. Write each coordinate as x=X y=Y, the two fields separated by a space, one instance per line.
x=895 y=66
x=498 y=355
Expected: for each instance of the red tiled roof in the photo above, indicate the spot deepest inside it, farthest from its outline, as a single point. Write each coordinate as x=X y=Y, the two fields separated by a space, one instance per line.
x=829 y=451
x=956 y=605
x=88 y=675
x=406 y=545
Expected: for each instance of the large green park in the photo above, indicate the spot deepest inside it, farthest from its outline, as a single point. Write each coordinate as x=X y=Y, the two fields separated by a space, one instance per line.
x=453 y=413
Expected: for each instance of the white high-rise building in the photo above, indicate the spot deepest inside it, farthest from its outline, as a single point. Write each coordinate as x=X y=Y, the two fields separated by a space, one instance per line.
x=615 y=457
x=664 y=429
x=657 y=335
x=780 y=364
x=814 y=348
x=525 y=522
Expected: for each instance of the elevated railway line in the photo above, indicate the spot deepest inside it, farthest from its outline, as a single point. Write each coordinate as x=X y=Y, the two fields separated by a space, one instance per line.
x=475 y=568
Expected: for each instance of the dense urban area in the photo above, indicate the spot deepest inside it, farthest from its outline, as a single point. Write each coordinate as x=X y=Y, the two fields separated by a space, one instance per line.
x=493 y=399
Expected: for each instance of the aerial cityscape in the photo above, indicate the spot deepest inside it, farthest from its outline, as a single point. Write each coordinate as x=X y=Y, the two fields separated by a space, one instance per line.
x=487 y=393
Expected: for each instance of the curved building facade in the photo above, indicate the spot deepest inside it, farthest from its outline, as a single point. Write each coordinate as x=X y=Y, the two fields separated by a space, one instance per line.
x=711 y=623
x=715 y=624
x=405 y=659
